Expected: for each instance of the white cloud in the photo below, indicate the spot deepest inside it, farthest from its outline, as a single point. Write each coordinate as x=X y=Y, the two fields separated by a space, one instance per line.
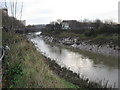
x=43 y=11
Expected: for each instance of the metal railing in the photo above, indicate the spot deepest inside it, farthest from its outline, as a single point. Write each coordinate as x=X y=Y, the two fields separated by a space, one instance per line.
x=3 y=51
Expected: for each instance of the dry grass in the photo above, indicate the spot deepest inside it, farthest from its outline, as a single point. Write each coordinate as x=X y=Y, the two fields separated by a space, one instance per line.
x=24 y=66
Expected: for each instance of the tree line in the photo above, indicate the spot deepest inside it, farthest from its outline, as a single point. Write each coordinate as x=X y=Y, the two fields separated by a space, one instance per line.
x=89 y=28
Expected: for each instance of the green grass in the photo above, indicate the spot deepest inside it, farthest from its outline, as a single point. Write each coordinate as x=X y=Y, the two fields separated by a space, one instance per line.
x=24 y=66
x=70 y=85
x=103 y=38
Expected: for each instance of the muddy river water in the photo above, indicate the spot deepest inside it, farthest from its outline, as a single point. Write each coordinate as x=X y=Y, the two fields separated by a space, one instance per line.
x=96 y=67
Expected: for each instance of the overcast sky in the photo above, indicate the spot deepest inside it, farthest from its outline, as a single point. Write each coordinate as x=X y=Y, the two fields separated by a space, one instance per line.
x=44 y=11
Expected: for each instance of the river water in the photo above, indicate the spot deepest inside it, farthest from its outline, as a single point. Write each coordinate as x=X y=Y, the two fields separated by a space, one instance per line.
x=96 y=67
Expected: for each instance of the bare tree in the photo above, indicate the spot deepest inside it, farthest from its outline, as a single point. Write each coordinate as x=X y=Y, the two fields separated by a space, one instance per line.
x=59 y=21
x=21 y=11
x=6 y=4
x=15 y=8
x=12 y=7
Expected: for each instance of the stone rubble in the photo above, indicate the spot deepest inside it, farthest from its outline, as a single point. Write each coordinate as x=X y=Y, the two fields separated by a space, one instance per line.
x=106 y=49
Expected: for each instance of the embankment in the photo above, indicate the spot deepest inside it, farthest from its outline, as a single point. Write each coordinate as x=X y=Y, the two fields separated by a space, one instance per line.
x=98 y=46
x=25 y=67
x=97 y=41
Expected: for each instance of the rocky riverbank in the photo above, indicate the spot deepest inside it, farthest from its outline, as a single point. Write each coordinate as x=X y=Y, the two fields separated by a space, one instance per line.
x=69 y=75
x=100 y=47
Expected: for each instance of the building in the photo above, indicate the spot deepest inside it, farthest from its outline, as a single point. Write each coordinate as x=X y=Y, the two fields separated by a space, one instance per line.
x=70 y=24
x=5 y=11
x=40 y=26
x=75 y=25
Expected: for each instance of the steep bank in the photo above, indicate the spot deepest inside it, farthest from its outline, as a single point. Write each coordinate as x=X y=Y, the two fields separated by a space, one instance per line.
x=25 y=67
x=102 y=44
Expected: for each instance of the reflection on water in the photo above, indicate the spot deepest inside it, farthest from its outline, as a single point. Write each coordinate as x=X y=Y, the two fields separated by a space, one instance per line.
x=95 y=68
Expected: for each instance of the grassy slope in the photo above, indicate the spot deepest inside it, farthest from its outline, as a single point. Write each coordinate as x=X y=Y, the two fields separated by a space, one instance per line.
x=24 y=66
x=98 y=38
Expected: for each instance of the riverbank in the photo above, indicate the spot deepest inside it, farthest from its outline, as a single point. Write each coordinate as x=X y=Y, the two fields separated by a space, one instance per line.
x=103 y=44
x=76 y=63
x=25 y=67
x=70 y=76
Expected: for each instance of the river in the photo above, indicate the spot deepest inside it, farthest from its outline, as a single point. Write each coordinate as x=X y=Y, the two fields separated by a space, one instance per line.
x=96 y=67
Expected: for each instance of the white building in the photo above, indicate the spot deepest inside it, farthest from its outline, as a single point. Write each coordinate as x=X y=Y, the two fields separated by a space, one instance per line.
x=65 y=25
x=69 y=24
x=5 y=11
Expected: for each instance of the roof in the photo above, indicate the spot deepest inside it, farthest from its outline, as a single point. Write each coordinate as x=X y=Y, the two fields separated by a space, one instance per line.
x=69 y=21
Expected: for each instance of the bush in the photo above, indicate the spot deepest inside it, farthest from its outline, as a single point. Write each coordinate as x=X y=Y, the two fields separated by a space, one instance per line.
x=90 y=33
x=107 y=29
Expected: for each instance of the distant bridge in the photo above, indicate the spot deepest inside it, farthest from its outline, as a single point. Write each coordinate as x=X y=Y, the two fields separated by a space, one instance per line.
x=33 y=29
x=28 y=30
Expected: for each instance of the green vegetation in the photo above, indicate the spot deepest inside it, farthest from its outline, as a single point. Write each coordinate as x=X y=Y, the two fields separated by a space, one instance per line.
x=97 y=31
x=93 y=35
x=70 y=85
x=24 y=66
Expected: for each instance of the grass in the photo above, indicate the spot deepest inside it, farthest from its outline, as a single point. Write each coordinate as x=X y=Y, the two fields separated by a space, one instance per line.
x=97 y=38
x=24 y=66
x=70 y=84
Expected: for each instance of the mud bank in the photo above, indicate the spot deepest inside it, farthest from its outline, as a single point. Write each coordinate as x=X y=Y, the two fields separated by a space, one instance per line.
x=107 y=49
